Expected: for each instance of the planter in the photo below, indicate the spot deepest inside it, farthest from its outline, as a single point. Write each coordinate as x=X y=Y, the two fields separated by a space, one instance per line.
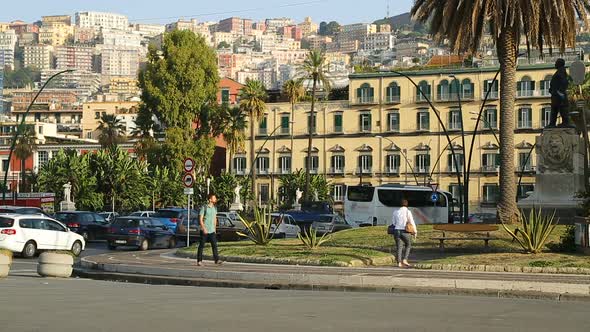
x=52 y=264
x=5 y=261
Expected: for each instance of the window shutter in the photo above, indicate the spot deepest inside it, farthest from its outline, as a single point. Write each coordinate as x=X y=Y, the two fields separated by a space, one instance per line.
x=427 y=121
x=497 y=159
x=418 y=121
x=358 y=92
x=338 y=120
x=285 y=122
x=370 y=161
x=427 y=160
x=370 y=121
x=371 y=92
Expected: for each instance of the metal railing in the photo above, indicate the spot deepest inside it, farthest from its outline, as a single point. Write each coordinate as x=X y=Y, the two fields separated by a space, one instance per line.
x=364 y=171
x=492 y=95
x=365 y=100
x=490 y=168
x=391 y=170
x=393 y=99
x=335 y=170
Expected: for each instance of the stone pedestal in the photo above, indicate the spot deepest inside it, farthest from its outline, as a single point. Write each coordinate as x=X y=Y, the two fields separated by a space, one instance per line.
x=236 y=207
x=67 y=206
x=297 y=207
x=560 y=174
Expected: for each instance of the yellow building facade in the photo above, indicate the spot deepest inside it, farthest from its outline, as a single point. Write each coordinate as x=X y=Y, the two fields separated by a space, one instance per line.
x=388 y=133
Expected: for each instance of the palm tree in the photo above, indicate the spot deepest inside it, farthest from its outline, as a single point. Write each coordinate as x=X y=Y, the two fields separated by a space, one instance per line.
x=111 y=130
x=463 y=23
x=26 y=145
x=252 y=101
x=234 y=130
x=294 y=90
x=313 y=68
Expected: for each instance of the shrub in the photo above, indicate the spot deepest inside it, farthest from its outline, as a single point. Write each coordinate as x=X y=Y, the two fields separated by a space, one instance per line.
x=259 y=230
x=311 y=239
x=535 y=230
x=568 y=241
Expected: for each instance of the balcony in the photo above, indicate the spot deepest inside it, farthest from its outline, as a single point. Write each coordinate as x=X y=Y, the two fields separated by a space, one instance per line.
x=442 y=97
x=490 y=169
x=338 y=130
x=262 y=132
x=421 y=99
x=425 y=170
x=313 y=171
x=451 y=169
x=365 y=100
x=526 y=169
x=392 y=99
x=363 y=171
x=533 y=93
x=284 y=131
x=391 y=170
x=336 y=170
x=263 y=171
x=454 y=126
x=242 y=171
x=283 y=171
x=525 y=125
x=492 y=96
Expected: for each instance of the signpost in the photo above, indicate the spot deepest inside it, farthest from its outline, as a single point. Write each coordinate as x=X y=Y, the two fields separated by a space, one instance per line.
x=188 y=180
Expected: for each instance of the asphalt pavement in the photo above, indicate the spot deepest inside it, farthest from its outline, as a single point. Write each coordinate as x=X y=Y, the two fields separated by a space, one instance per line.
x=38 y=304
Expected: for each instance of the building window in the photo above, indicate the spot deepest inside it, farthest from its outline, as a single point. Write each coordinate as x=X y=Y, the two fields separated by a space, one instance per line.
x=284 y=165
x=425 y=88
x=524 y=162
x=524 y=188
x=545 y=86
x=337 y=164
x=264 y=193
x=239 y=165
x=452 y=165
x=442 y=93
x=311 y=123
x=365 y=164
x=393 y=121
x=315 y=164
x=490 y=162
x=422 y=163
x=491 y=193
x=338 y=123
x=392 y=163
x=467 y=89
x=525 y=118
x=490 y=120
x=225 y=96
x=365 y=94
x=525 y=87
x=4 y=165
x=89 y=135
x=96 y=115
x=454 y=120
x=338 y=192
x=545 y=116
x=455 y=190
x=365 y=122
x=393 y=93
x=262 y=126
x=285 y=126
x=423 y=121
x=43 y=158
x=262 y=164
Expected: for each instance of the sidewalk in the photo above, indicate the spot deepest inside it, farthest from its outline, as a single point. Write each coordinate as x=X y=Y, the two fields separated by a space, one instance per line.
x=162 y=267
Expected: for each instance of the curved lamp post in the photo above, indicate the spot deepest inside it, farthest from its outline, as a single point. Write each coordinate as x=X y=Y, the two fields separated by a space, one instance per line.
x=463 y=192
x=405 y=158
x=440 y=155
x=21 y=126
x=259 y=151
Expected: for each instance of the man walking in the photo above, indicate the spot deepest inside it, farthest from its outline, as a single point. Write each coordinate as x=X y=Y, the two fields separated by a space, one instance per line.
x=208 y=222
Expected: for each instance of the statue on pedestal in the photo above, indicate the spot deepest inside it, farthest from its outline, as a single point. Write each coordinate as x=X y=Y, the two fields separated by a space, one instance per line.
x=559 y=100
x=67 y=192
x=237 y=194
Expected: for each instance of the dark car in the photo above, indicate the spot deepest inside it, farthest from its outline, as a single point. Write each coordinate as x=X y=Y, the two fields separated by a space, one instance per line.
x=171 y=216
x=330 y=223
x=90 y=225
x=141 y=232
x=227 y=230
x=23 y=210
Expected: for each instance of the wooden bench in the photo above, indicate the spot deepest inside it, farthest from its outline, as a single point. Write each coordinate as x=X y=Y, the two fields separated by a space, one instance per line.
x=464 y=228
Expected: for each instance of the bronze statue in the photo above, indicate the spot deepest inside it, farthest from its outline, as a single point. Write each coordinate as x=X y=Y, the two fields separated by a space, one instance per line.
x=559 y=101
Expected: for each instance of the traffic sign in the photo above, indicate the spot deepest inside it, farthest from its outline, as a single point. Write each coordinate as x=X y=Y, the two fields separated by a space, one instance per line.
x=189 y=165
x=188 y=180
x=434 y=197
x=578 y=72
x=189 y=191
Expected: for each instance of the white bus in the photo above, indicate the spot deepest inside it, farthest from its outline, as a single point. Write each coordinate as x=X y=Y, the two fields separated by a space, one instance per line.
x=366 y=205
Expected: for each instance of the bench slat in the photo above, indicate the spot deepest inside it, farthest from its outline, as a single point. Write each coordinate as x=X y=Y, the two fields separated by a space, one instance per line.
x=466 y=228
x=463 y=238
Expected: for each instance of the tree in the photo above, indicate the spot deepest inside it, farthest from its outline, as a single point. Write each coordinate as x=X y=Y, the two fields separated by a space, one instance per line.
x=329 y=29
x=234 y=126
x=26 y=144
x=111 y=130
x=252 y=101
x=166 y=187
x=66 y=166
x=224 y=185
x=223 y=44
x=463 y=23
x=294 y=91
x=314 y=68
x=291 y=182
x=180 y=81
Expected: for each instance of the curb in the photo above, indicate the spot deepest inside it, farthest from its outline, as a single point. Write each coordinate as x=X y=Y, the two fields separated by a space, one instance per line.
x=399 y=290
x=503 y=268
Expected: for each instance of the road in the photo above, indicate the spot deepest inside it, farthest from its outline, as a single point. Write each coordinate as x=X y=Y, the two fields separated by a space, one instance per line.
x=37 y=304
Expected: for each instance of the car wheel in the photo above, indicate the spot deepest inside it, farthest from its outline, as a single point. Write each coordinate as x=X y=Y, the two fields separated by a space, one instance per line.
x=281 y=236
x=29 y=250
x=145 y=245
x=76 y=248
x=172 y=243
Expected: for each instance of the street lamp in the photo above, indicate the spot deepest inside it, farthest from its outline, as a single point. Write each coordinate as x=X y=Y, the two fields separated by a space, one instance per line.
x=463 y=190
x=21 y=126
x=405 y=158
x=258 y=153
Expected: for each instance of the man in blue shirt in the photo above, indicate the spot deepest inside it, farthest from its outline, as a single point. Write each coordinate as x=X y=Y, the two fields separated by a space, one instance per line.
x=208 y=221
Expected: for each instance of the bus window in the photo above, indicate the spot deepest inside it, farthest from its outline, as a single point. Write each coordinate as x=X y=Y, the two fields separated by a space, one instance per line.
x=360 y=194
x=390 y=198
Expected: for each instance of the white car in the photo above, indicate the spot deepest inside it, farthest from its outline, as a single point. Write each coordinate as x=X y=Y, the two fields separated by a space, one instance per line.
x=26 y=234
x=143 y=214
x=287 y=228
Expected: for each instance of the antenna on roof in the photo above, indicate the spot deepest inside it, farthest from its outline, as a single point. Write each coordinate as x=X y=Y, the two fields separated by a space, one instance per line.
x=388 y=9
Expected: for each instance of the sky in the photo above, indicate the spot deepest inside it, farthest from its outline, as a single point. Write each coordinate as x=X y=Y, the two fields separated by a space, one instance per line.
x=166 y=11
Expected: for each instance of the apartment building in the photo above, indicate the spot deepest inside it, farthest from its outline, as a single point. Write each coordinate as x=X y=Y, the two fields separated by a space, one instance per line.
x=378 y=41
x=39 y=57
x=119 y=61
x=56 y=34
x=93 y=111
x=74 y=57
x=82 y=82
x=56 y=19
x=412 y=147
x=235 y=25
x=308 y=27
x=98 y=20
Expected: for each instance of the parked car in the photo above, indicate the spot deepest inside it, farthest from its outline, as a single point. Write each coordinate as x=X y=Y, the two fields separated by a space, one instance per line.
x=232 y=215
x=330 y=223
x=171 y=216
x=287 y=226
x=482 y=218
x=141 y=232
x=23 y=210
x=143 y=214
x=226 y=230
x=109 y=216
x=27 y=234
x=90 y=225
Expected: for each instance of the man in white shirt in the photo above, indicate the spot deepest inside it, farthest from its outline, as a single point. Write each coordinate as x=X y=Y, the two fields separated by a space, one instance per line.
x=401 y=217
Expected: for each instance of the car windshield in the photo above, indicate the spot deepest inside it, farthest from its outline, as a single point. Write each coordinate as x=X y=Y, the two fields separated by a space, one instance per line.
x=325 y=219
x=136 y=214
x=65 y=216
x=5 y=222
x=167 y=214
x=124 y=222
